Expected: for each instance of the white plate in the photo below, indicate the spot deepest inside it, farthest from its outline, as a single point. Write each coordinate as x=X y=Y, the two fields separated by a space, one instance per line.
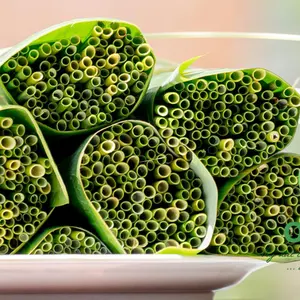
x=168 y=276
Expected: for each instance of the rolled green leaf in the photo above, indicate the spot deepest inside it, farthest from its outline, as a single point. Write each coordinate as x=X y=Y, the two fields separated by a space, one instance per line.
x=262 y=220
x=153 y=200
x=28 y=192
x=83 y=61
x=249 y=114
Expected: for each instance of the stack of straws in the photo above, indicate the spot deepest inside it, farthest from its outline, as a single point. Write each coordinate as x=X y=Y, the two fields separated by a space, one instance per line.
x=254 y=212
x=147 y=197
x=143 y=182
x=29 y=180
x=24 y=184
x=80 y=83
x=232 y=121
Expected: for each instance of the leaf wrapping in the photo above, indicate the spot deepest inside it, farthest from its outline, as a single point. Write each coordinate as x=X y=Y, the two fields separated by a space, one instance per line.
x=31 y=184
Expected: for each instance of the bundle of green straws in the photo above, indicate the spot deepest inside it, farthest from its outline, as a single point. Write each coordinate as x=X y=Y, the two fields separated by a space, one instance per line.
x=140 y=197
x=231 y=120
x=81 y=82
x=29 y=180
x=256 y=207
x=181 y=162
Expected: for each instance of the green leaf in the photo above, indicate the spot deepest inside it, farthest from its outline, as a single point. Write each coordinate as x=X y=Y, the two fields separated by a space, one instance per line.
x=163 y=66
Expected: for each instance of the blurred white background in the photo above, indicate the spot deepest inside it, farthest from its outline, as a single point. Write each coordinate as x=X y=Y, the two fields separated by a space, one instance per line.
x=20 y=19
